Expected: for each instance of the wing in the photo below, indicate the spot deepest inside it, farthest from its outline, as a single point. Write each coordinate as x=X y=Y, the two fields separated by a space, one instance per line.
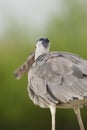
x=59 y=77
x=19 y=72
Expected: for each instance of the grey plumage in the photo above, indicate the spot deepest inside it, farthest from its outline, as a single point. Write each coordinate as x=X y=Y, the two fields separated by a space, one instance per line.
x=56 y=79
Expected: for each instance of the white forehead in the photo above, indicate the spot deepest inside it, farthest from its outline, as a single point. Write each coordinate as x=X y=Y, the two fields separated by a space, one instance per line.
x=39 y=44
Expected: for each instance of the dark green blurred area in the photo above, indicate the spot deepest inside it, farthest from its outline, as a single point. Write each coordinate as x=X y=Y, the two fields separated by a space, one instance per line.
x=17 y=112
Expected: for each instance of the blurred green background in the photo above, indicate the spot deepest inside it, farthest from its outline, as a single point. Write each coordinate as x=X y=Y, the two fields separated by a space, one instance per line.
x=67 y=31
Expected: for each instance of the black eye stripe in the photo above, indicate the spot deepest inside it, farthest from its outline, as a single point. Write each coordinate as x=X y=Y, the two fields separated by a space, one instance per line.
x=44 y=42
x=43 y=39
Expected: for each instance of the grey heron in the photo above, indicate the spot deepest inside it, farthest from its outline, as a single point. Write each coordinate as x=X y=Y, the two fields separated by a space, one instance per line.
x=56 y=80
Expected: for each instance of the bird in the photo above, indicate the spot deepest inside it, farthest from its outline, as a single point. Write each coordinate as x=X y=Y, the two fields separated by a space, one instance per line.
x=56 y=80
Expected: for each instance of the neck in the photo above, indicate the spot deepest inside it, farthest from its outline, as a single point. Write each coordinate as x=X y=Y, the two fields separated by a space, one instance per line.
x=39 y=52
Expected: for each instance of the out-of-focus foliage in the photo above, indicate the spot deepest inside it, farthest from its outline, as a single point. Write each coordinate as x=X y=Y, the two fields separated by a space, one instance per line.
x=17 y=112
x=69 y=32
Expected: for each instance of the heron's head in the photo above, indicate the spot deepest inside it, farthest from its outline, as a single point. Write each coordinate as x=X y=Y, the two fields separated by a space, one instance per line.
x=42 y=46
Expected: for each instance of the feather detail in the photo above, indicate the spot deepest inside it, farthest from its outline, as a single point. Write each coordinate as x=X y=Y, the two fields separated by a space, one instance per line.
x=19 y=72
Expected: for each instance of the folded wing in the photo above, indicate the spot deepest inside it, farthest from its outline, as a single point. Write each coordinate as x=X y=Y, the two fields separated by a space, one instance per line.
x=59 y=77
